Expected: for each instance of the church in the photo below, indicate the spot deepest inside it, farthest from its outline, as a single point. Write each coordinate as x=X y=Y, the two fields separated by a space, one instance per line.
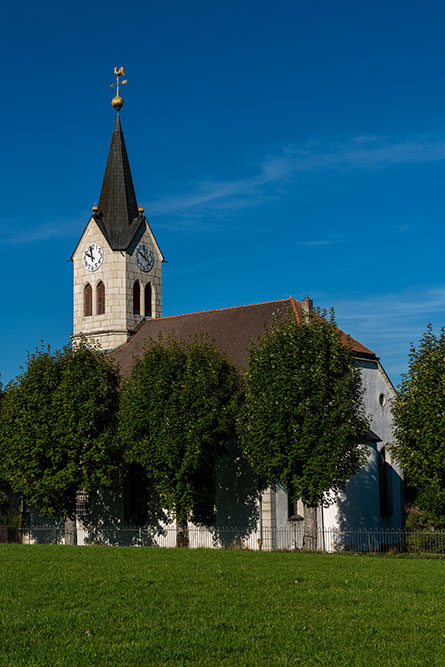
x=118 y=304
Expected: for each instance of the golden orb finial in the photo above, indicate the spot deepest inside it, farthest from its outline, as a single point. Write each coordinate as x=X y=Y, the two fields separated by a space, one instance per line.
x=117 y=101
x=141 y=209
x=95 y=208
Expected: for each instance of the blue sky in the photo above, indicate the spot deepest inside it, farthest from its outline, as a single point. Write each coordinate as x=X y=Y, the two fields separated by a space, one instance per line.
x=278 y=148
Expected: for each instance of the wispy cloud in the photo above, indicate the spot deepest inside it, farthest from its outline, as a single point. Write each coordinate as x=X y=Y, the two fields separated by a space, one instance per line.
x=19 y=233
x=357 y=153
x=317 y=243
x=269 y=179
x=408 y=303
x=389 y=323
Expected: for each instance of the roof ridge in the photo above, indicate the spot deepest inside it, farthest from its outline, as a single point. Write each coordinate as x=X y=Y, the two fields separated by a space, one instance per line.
x=294 y=307
x=208 y=324
x=198 y=312
x=217 y=310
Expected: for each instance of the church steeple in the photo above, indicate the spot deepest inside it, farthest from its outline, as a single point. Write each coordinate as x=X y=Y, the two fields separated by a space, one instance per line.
x=117 y=203
x=117 y=262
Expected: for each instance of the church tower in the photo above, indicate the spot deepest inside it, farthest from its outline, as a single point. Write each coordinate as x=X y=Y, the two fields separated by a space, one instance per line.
x=117 y=262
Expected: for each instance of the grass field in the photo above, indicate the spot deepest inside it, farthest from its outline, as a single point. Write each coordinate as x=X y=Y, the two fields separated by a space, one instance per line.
x=129 y=606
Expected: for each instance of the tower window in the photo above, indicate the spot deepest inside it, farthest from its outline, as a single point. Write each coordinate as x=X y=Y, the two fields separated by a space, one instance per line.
x=147 y=294
x=136 y=298
x=100 y=298
x=87 y=300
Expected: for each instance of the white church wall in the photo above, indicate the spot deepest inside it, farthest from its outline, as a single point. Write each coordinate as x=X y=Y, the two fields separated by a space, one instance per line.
x=378 y=397
x=359 y=504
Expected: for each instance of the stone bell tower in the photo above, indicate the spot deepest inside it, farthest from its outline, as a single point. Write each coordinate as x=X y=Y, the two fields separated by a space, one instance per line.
x=117 y=261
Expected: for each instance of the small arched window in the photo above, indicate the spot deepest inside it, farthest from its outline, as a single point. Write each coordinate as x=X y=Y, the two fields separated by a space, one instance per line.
x=136 y=298
x=100 y=293
x=147 y=295
x=87 y=300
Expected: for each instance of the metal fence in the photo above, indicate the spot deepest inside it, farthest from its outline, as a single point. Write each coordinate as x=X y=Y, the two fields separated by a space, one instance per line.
x=385 y=541
x=286 y=539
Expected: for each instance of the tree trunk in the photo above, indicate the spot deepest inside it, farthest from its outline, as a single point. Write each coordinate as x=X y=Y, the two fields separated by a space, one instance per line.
x=182 y=533
x=310 y=528
x=70 y=530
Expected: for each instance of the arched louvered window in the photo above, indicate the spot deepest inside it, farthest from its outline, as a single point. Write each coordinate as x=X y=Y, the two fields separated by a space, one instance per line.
x=100 y=293
x=87 y=300
x=147 y=298
x=136 y=298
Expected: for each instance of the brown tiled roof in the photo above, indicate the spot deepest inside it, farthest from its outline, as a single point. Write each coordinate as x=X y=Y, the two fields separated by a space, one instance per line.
x=230 y=328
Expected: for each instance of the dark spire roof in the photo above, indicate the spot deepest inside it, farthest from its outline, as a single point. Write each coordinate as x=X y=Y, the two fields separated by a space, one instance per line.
x=118 y=211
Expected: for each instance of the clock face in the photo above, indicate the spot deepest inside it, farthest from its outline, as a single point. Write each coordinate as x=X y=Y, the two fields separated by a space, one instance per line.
x=92 y=257
x=144 y=257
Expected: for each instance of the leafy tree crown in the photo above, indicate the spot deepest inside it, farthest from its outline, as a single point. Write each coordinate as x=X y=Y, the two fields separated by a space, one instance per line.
x=419 y=424
x=177 y=411
x=57 y=427
x=303 y=418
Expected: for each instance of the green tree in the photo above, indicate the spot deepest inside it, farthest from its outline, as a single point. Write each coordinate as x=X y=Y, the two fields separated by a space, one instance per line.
x=303 y=418
x=419 y=418
x=57 y=429
x=178 y=410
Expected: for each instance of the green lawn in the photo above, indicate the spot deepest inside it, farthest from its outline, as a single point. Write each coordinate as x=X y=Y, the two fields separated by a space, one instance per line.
x=137 y=606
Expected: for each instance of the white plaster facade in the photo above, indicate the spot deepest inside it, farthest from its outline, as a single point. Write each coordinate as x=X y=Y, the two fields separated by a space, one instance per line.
x=118 y=272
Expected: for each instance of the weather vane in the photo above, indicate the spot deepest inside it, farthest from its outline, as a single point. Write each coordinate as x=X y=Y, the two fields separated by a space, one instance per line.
x=117 y=101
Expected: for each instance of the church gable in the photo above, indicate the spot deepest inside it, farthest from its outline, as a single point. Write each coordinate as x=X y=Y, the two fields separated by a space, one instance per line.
x=92 y=233
x=144 y=234
x=143 y=277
